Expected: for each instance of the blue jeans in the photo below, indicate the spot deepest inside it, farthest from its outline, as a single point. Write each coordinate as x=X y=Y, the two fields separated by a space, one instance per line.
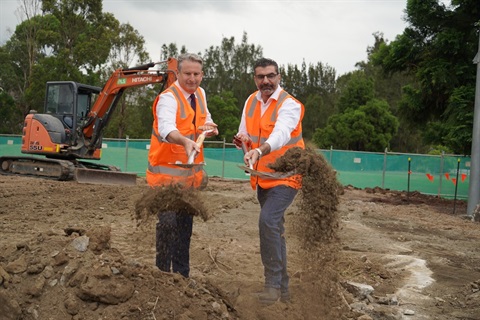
x=273 y=249
x=173 y=233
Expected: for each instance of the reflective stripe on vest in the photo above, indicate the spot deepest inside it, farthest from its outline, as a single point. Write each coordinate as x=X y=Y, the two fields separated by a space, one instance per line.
x=251 y=111
x=281 y=98
x=175 y=92
x=177 y=172
x=183 y=115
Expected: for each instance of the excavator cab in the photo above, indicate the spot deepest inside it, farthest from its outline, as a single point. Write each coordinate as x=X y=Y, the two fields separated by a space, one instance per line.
x=70 y=102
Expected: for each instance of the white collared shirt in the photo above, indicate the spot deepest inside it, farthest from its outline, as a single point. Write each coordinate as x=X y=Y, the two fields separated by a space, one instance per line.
x=287 y=120
x=167 y=111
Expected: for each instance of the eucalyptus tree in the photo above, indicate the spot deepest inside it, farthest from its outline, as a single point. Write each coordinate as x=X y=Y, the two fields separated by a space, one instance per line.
x=61 y=40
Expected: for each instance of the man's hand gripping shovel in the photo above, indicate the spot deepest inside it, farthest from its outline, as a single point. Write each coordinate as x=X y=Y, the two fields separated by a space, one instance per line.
x=190 y=162
x=261 y=174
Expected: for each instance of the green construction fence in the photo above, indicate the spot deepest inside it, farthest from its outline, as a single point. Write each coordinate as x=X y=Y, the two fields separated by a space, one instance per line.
x=445 y=176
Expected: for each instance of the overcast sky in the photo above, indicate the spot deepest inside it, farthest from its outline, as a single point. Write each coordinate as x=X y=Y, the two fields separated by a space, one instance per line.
x=334 y=32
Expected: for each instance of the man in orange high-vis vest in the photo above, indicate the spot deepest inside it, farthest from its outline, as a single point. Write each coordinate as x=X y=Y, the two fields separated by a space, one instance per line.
x=180 y=113
x=271 y=124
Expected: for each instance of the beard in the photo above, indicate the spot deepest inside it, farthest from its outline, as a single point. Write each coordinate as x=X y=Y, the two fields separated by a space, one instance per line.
x=267 y=88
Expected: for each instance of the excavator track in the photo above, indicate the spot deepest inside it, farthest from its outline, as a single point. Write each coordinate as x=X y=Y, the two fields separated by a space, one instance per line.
x=63 y=170
x=31 y=166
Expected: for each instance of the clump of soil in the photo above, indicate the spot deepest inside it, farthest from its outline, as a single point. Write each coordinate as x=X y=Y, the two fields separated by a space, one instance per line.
x=317 y=225
x=319 y=193
x=172 y=197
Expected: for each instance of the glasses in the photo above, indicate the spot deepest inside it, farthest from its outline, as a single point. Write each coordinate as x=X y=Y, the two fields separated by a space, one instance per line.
x=269 y=76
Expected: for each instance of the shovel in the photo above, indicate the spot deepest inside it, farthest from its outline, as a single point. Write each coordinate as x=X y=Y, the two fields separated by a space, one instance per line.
x=267 y=175
x=192 y=155
x=264 y=175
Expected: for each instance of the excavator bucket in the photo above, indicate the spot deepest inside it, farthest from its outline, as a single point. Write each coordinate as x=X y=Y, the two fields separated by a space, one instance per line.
x=94 y=176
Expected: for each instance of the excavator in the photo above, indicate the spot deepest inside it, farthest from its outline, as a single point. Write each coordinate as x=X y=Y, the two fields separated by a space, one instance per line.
x=69 y=133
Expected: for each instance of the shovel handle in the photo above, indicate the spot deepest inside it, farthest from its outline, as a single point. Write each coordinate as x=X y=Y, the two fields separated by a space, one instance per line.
x=200 y=140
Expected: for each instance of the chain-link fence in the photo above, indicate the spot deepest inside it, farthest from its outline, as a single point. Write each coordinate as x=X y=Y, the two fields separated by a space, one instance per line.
x=444 y=175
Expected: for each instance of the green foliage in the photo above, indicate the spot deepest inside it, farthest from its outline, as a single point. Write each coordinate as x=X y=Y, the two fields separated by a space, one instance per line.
x=315 y=86
x=134 y=117
x=229 y=67
x=454 y=131
x=368 y=128
x=316 y=115
x=10 y=117
x=358 y=90
x=437 y=50
x=223 y=108
x=438 y=150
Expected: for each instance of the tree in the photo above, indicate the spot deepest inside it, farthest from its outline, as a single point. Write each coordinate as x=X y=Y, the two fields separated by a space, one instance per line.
x=388 y=86
x=368 y=128
x=70 y=40
x=10 y=117
x=19 y=56
x=317 y=112
x=358 y=89
x=315 y=86
x=223 y=108
x=229 y=67
x=437 y=50
x=127 y=49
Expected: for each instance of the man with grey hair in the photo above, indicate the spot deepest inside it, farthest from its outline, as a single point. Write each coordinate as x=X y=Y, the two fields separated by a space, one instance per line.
x=180 y=115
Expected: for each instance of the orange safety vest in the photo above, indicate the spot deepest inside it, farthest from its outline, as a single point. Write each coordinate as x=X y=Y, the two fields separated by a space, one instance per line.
x=162 y=155
x=260 y=127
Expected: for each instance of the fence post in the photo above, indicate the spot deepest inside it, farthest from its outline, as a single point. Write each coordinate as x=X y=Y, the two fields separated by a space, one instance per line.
x=223 y=160
x=331 y=153
x=456 y=185
x=384 y=167
x=442 y=161
x=126 y=154
x=408 y=176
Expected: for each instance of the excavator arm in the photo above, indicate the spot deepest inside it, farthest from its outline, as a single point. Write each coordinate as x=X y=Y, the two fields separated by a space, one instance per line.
x=121 y=79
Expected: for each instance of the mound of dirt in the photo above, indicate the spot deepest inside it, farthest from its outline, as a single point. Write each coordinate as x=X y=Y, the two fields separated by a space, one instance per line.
x=82 y=277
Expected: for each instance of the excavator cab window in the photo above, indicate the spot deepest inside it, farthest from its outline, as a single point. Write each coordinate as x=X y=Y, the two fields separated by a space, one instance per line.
x=60 y=98
x=83 y=104
x=60 y=102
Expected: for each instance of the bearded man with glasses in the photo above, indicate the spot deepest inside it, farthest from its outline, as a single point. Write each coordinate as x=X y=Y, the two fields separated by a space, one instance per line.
x=271 y=124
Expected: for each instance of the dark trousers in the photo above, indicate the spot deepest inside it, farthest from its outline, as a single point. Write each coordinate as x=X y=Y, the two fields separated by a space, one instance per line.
x=273 y=249
x=173 y=234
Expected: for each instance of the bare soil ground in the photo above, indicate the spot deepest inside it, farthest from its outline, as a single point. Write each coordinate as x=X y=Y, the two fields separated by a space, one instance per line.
x=76 y=251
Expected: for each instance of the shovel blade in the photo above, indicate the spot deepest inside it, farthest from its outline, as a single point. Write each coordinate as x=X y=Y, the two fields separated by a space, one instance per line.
x=267 y=175
x=94 y=176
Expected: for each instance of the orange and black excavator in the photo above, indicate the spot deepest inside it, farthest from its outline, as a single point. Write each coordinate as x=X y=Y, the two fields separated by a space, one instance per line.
x=71 y=129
